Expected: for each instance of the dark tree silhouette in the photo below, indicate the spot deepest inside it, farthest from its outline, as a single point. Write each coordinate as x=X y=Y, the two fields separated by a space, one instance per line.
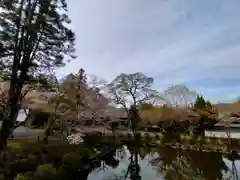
x=34 y=39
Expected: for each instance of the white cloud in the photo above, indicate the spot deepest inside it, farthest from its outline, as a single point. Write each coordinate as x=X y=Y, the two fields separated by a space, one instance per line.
x=221 y=94
x=174 y=41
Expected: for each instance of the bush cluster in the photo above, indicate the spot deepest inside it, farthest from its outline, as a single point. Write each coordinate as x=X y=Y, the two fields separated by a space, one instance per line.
x=42 y=162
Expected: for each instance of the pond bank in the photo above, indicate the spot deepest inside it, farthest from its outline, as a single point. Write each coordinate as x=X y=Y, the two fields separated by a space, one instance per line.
x=235 y=134
x=182 y=141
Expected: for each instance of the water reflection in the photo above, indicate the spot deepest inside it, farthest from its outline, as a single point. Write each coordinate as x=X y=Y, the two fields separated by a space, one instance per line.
x=137 y=163
x=174 y=164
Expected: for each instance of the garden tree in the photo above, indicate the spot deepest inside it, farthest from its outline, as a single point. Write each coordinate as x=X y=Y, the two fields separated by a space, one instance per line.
x=54 y=101
x=98 y=106
x=132 y=89
x=94 y=102
x=34 y=83
x=3 y=97
x=67 y=99
x=237 y=101
x=175 y=164
x=96 y=85
x=168 y=117
x=26 y=98
x=81 y=80
x=72 y=100
x=179 y=95
x=200 y=102
x=96 y=82
x=145 y=106
x=205 y=108
x=34 y=38
x=175 y=112
x=149 y=114
x=235 y=114
x=208 y=114
x=134 y=118
x=113 y=125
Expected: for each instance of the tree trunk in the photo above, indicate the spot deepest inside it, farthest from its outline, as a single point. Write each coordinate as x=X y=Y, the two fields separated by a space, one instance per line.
x=12 y=108
x=136 y=158
x=51 y=121
x=46 y=134
x=11 y=111
x=202 y=129
x=48 y=128
x=15 y=94
x=9 y=119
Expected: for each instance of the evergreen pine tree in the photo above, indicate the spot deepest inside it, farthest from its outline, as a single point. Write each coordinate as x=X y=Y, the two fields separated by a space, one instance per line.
x=34 y=38
x=200 y=102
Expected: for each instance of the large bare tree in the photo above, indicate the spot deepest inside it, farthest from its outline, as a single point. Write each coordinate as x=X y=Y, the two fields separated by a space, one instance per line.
x=96 y=82
x=180 y=96
x=131 y=90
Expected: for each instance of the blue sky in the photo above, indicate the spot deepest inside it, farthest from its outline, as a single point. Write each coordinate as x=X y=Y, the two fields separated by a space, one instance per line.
x=192 y=42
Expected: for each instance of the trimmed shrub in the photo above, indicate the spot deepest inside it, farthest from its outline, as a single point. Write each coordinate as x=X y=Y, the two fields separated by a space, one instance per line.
x=45 y=172
x=1 y=177
x=137 y=136
x=147 y=138
x=129 y=135
x=30 y=156
x=71 y=165
x=33 y=160
x=22 y=177
x=72 y=159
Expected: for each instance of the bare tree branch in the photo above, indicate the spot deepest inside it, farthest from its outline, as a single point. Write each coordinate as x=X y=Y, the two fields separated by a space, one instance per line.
x=132 y=89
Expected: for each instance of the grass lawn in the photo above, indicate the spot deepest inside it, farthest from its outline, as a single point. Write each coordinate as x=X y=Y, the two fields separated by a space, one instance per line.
x=20 y=143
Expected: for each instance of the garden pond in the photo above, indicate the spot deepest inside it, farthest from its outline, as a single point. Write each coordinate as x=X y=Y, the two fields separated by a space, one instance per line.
x=146 y=163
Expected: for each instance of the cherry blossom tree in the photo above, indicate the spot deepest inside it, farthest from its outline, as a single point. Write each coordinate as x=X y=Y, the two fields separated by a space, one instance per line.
x=99 y=102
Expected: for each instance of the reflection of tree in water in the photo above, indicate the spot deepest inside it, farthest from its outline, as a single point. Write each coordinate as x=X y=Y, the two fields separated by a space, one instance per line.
x=133 y=168
x=146 y=151
x=177 y=164
x=121 y=153
x=233 y=171
x=173 y=165
x=110 y=159
x=210 y=164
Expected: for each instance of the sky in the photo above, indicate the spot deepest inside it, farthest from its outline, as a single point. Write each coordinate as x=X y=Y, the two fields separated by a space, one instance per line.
x=191 y=42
